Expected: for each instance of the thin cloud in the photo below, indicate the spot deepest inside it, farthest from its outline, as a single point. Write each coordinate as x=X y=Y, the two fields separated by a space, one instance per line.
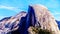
x=58 y=18
x=56 y=13
x=10 y=8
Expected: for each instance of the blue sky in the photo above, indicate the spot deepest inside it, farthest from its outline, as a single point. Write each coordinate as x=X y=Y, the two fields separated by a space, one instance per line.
x=12 y=7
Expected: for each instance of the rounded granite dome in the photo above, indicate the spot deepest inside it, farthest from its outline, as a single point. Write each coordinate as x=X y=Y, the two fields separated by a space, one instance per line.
x=39 y=5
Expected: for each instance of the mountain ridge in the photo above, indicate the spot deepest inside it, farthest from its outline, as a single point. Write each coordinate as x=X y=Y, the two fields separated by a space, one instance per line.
x=37 y=16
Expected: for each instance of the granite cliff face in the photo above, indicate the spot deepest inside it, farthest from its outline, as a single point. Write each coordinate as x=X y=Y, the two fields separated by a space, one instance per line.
x=44 y=18
x=37 y=16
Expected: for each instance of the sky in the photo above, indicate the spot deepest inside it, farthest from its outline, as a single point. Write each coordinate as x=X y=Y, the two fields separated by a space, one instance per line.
x=12 y=7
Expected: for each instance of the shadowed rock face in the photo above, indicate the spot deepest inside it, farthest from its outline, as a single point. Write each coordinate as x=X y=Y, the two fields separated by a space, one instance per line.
x=31 y=18
x=37 y=16
x=27 y=21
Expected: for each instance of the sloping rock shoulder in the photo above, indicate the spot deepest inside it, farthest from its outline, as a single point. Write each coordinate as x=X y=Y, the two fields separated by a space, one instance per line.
x=10 y=24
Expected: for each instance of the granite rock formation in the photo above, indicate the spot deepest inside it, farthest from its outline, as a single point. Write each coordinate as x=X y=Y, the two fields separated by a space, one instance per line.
x=44 y=19
x=37 y=16
x=10 y=24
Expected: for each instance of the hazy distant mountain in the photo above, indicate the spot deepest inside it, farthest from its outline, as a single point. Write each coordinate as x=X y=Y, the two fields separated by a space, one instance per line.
x=37 y=16
x=58 y=22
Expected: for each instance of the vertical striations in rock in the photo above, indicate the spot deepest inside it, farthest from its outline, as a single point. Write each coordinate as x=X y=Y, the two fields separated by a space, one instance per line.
x=44 y=18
